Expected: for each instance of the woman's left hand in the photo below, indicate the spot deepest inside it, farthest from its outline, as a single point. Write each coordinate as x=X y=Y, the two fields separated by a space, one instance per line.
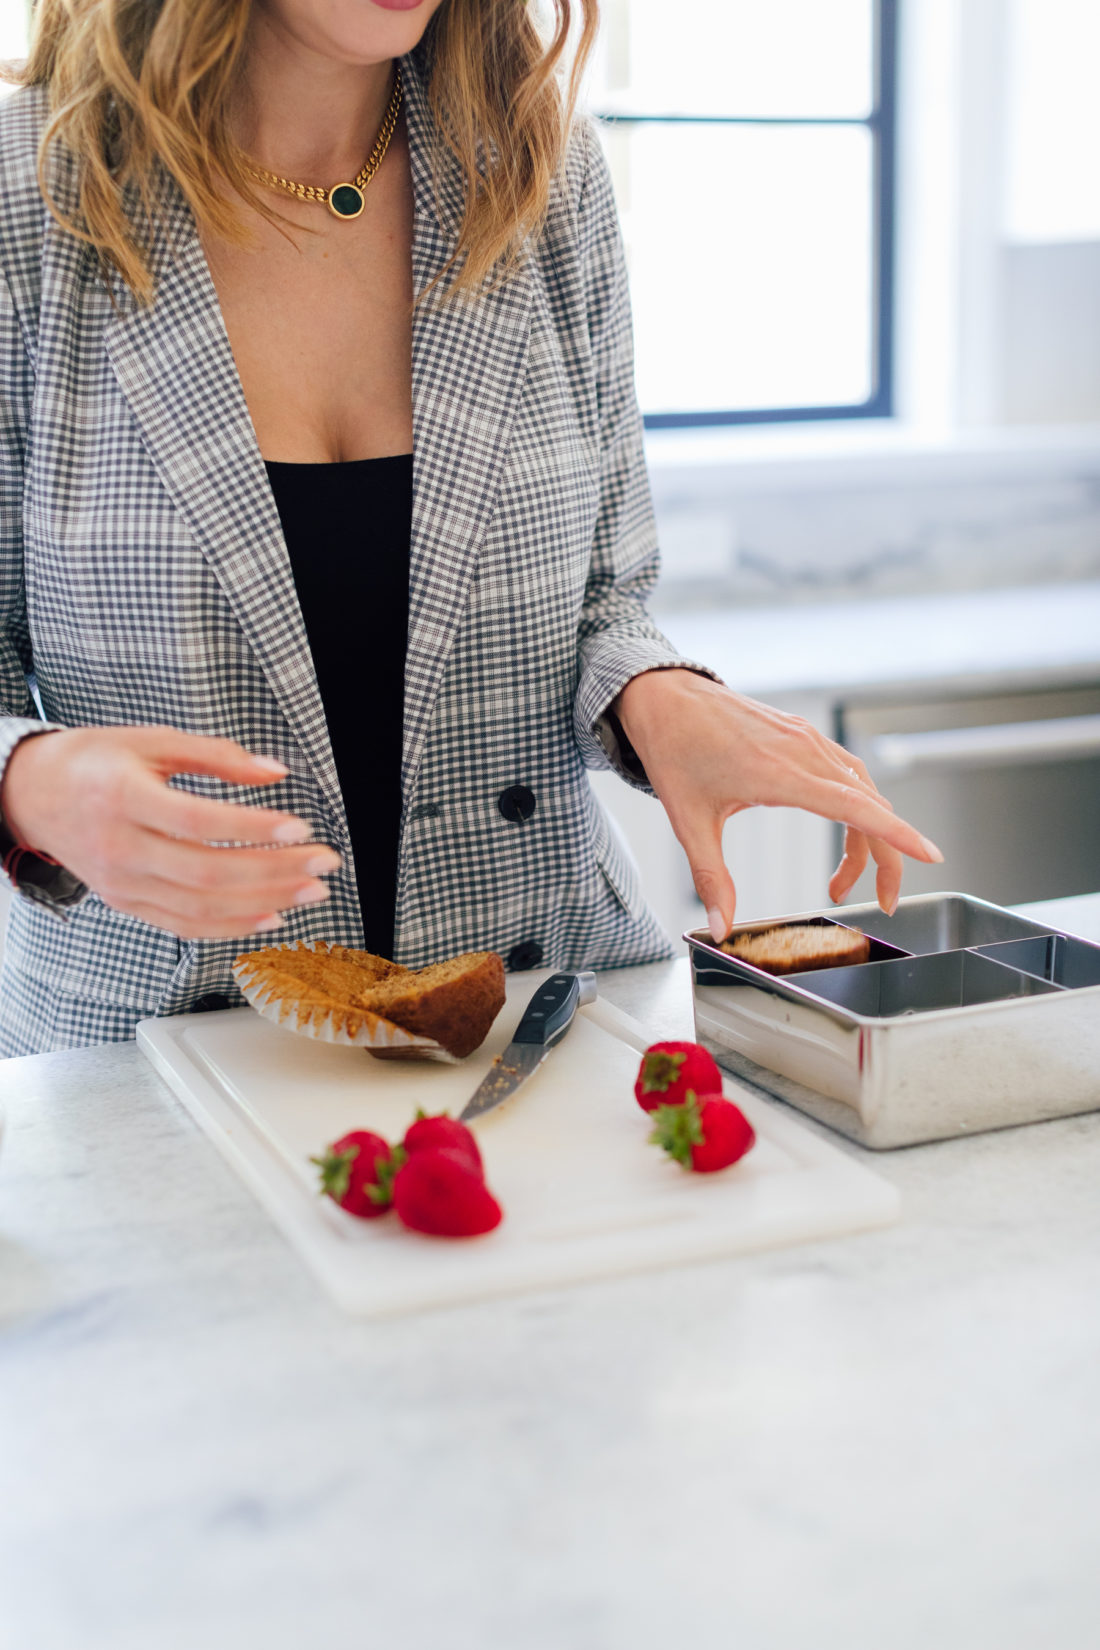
x=709 y=753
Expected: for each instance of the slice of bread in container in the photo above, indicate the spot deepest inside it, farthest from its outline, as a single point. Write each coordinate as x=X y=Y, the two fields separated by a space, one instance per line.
x=792 y=948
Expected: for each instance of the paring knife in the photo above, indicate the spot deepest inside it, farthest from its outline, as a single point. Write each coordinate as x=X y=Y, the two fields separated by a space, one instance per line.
x=545 y=1022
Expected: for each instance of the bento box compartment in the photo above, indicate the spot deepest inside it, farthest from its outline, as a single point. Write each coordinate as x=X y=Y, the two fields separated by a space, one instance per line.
x=921 y=985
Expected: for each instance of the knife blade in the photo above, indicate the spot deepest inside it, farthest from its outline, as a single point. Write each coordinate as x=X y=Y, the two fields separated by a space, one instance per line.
x=546 y=1019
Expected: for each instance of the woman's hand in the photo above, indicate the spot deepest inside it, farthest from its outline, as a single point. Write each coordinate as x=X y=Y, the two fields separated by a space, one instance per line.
x=709 y=753
x=98 y=801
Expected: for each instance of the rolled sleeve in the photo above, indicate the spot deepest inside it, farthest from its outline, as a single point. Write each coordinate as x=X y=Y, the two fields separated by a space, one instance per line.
x=48 y=885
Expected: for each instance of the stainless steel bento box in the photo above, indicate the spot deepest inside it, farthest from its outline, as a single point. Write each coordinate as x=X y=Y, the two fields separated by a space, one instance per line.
x=965 y=1017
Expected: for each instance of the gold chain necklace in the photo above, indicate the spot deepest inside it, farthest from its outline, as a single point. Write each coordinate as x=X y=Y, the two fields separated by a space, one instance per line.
x=344 y=200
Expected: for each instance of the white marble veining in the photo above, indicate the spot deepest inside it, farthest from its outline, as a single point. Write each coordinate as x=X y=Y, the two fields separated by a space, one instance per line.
x=866 y=516
x=886 y=1442
x=891 y=540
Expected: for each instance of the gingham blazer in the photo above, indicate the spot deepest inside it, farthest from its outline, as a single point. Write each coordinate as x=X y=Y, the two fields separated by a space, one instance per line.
x=144 y=579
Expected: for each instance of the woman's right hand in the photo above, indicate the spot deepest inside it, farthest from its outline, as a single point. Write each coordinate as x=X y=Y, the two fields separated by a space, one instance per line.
x=98 y=801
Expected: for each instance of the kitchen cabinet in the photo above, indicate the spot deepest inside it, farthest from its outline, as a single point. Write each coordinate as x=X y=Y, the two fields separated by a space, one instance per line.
x=1007 y=784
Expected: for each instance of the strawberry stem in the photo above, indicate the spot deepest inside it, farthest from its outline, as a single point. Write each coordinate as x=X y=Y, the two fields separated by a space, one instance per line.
x=335 y=1170
x=660 y=1070
x=678 y=1128
x=385 y=1171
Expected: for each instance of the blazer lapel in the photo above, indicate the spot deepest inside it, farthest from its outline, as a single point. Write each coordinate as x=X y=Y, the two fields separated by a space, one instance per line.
x=175 y=366
x=469 y=357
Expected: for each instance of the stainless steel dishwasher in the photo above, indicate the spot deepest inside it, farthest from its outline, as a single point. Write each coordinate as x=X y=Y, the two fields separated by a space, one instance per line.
x=1008 y=785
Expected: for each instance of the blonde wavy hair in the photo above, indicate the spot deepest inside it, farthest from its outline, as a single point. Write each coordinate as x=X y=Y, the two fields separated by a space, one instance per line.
x=143 y=89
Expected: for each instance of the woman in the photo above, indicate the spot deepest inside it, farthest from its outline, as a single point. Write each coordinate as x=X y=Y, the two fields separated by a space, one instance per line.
x=275 y=446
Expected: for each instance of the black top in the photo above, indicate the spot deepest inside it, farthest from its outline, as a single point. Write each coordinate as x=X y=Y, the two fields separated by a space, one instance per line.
x=347 y=530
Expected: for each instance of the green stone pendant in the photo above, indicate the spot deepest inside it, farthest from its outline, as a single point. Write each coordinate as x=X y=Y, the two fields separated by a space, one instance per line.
x=346 y=200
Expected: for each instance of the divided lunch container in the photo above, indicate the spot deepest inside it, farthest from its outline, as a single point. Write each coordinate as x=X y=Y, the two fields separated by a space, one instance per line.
x=965 y=1017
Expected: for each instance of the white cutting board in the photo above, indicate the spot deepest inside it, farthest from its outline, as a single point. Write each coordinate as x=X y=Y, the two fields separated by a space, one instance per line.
x=584 y=1195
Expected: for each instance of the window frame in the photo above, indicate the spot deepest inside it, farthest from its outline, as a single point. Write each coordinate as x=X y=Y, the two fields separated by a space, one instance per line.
x=881 y=122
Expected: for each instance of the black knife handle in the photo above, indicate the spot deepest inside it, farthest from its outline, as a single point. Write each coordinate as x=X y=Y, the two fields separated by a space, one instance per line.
x=550 y=1012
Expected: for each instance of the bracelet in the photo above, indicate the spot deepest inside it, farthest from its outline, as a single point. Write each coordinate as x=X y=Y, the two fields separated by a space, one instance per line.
x=18 y=852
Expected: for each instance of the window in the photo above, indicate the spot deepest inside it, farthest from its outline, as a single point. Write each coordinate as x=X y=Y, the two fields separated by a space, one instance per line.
x=14 y=18
x=752 y=147
x=1052 y=193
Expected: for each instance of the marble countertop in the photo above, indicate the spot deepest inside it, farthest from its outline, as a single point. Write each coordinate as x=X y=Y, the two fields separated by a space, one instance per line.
x=884 y=1442
x=949 y=642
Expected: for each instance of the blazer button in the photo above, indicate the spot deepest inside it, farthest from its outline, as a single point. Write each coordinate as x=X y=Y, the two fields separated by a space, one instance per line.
x=516 y=803
x=212 y=1001
x=527 y=954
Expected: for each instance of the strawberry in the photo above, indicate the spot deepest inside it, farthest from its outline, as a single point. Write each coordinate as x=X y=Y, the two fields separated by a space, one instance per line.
x=357 y=1173
x=669 y=1070
x=439 y=1191
x=428 y=1132
x=705 y=1133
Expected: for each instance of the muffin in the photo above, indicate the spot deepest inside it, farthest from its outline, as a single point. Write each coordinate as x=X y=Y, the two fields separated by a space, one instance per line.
x=342 y=995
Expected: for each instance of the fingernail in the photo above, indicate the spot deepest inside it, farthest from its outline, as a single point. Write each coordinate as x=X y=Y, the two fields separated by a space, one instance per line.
x=293 y=831
x=932 y=851
x=319 y=863
x=266 y=924
x=311 y=893
x=892 y=907
x=717 y=924
x=270 y=765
